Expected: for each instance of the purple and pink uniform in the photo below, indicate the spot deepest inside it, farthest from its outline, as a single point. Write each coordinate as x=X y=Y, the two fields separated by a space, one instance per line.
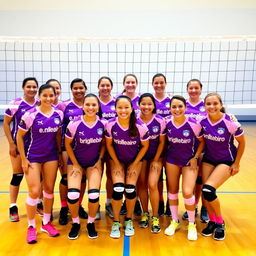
x=86 y=140
x=42 y=144
x=196 y=111
x=219 y=139
x=126 y=148
x=156 y=128
x=135 y=102
x=60 y=106
x=21 y=107
x=181 y=141
x=163 y=106
x=108 y=109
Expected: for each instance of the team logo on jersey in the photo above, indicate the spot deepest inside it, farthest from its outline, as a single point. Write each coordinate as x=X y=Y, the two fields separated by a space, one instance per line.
x=81 y=133
x=40 y=122
x=167 y=104
x=220 y=131
x=56 y=120
x=115 y=133
x=112 y=107
x=100 y=131
x=70 y=110
x=186 y=133
x=155 y=129
x=202 y=108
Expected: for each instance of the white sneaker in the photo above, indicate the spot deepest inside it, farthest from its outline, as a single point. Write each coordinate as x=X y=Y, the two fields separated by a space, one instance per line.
x=115 y=230
x=192 y=232
x=172 y=228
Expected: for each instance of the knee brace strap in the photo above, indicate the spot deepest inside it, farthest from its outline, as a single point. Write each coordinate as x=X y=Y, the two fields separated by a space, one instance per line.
x=93 y=195
x=130 y=191
x=73 y=195
x=118 y=191
x=173 y=196
x=63 y=180
x=189 y=201
x=209 y=193
x=48 y=196
x=16 y=179
x=199 y=180
x=31 y=201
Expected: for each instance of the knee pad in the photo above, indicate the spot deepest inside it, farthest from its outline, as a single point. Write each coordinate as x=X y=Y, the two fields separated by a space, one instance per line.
x=48 y=196
x=83 y=179
x=16 y=179
x=31 y=201
x=189 y=201
x=199 y=180
x=118 y=191
x=173 y=196
x=209 y=193
x=64 y=180
x=130 y=191
x=93 y=195
x=73 y=195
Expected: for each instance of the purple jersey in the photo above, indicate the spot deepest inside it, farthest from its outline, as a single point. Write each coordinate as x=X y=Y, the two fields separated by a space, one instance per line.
x=135 y=102
x=163 y=106
x=86 y=140
x=196 y=111
x=126 y=148
x=108 y=109
x=156 y=128
x=219 y=138
x=181 y=140
x=42 y=144
x=60 y=106
x=18 y=109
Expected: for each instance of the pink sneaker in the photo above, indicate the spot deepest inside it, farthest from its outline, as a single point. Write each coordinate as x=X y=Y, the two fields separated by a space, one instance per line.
x=50 y=230
x=31 y=235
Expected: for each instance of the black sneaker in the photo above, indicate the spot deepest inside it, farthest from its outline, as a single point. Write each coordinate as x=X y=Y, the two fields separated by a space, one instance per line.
x=161 y=208
x=219 y=232
x=204 y=215
x=74 y=232
x=167 y=210
x=13 y=214
x=92 y=233
x=82 y=213
x=209 y=229
x=63 y=218
x=137 y=209
x=123 y=208
x=40 y=209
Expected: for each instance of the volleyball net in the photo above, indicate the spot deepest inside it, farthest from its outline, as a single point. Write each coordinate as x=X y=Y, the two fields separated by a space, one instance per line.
x=224 y=65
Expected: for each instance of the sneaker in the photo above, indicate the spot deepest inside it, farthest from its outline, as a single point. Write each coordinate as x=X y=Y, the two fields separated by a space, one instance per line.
x=40 y=209
x=82 y=213
x=172 y=228
x=155 y=225
x=74 y=232
x=115 y=230
x=208 y=230
x=109 y=210
x=98 y=217
x=92 y=233
x=129 y=230
x=167 y=210
x=204 y=215
x=63 y=218
x=123 y=208
x=31 y=235
x=185 y=214
x=144 y=220
x=219 y=232
x=137 y=209
x=14 y=215
x=161 y=208
x=192 y=232
x=50 y=230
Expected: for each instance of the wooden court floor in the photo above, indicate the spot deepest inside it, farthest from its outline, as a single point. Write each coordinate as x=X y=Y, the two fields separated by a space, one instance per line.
x=237 y=195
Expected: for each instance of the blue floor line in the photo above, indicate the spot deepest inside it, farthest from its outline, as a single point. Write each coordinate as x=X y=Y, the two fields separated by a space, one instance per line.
x=126 y=250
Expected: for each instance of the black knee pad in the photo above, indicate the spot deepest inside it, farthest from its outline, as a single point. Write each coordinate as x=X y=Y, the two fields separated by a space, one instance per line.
x=64 y=180
x=118 y=191
x=93 y=195
x=83 y=179
x=199 y=180
x=73 y=195
x=130 y=191
x=209 y=193
x=16 y=179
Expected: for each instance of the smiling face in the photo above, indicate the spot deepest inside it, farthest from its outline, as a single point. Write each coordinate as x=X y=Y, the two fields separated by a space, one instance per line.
x=57 y=87
x=194 y=90
x=123 y=108
x=213 y=105
x=47 y=97
x=130 y=84
x=30 y=89
x=105 y=87
x=91 y=106
x=146 y=106
x=159 y=85
x=177 y=108
x=78 y=90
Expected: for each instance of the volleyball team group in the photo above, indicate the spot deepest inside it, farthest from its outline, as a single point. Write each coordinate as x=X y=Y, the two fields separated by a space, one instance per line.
x=134 y=137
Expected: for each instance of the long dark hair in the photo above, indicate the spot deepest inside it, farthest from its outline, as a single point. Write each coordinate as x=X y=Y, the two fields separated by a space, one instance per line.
x=133 y=130
x=144 y=95
x=219 y=98
x=99 y=113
